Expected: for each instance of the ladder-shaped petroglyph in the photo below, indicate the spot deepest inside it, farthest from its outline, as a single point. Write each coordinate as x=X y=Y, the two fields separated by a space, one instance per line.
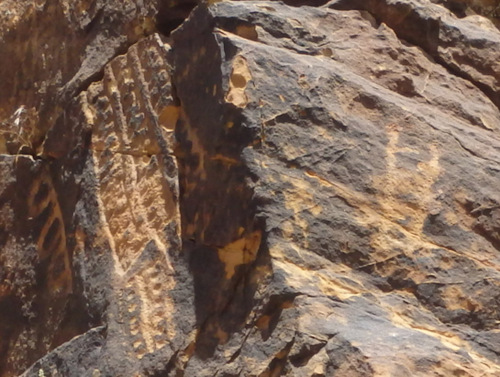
x=131 y=149
x=132 y=116
x=147 y=307
x=44 y=213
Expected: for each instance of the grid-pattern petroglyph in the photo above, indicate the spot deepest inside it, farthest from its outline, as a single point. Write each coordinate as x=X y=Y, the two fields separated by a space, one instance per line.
x=132 y=115
x=146 y=302
x=131 y=149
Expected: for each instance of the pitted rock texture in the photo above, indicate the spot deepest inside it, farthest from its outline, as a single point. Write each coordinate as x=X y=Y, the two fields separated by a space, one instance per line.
x=80 y=206
x=270 y=190
x=359 y=177
x=52 y=50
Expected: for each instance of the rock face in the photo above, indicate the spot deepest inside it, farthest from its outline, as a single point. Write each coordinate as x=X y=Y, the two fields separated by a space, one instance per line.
x=269 y=189
x=464 y=8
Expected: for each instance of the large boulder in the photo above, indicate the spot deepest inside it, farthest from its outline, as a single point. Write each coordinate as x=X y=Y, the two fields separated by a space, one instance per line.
x=269 y=189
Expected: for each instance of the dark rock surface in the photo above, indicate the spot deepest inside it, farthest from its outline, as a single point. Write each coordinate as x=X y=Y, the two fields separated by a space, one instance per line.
x=270 y=190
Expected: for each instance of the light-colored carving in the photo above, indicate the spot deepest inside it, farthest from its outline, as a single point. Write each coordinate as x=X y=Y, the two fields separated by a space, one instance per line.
x=240 y=76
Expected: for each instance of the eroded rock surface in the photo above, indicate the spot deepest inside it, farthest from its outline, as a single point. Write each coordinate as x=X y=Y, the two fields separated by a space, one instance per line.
x=270 y=190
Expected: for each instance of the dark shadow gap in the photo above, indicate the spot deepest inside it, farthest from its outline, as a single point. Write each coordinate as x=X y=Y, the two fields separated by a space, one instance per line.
x=171 y=17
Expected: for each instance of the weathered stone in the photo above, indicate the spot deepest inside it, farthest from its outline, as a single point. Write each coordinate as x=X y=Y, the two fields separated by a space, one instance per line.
x=122 y=243
x=55 y=49
x=366 y=176
x=464 y=8
x=468 y=47
x=278 y=190
x=36 y=311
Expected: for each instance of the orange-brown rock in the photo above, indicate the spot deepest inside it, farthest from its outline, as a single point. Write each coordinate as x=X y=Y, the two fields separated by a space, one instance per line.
x=463 y=8
x=52 y=50
x=268 y=190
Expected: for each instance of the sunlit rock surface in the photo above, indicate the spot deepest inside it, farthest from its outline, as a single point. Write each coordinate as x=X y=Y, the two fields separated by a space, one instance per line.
x=266 y=190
